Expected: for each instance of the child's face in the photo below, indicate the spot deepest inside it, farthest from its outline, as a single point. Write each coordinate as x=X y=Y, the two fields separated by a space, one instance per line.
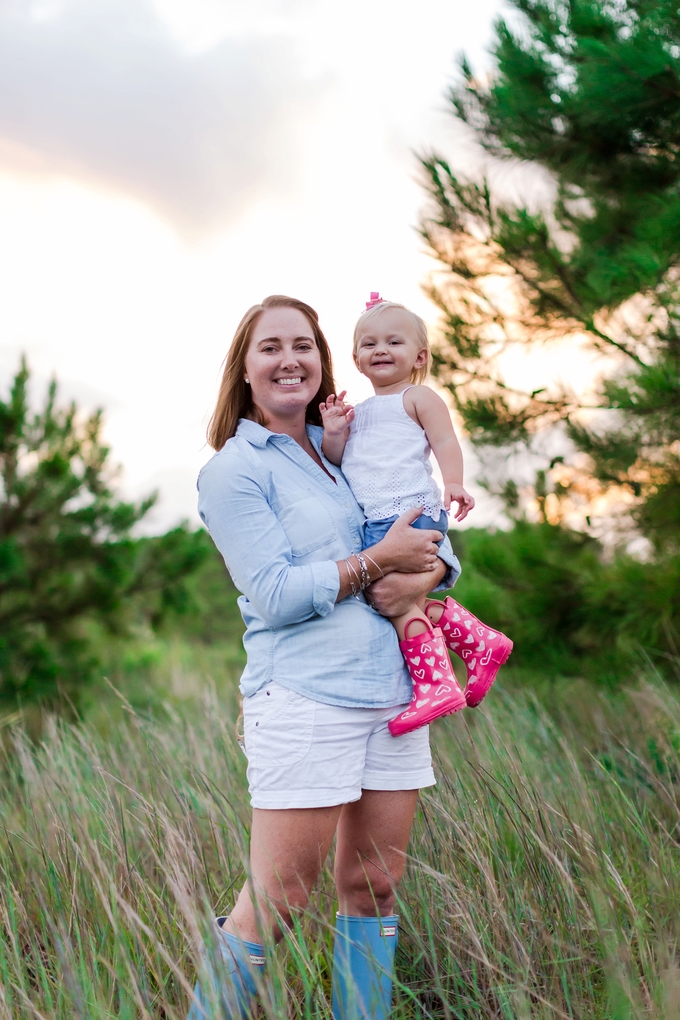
x=388 y=349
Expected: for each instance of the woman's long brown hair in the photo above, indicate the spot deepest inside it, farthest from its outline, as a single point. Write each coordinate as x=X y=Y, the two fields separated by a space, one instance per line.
x=235 y=399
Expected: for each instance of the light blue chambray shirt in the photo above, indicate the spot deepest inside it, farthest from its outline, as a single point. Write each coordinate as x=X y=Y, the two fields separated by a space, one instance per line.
x=281 y=523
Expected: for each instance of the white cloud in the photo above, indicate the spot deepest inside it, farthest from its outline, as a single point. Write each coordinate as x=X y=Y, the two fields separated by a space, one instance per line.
x=102 y=90
x=127 y=117
x=201 y=24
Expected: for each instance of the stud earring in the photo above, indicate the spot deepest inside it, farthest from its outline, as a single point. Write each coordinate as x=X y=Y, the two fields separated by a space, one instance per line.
x=247 y=381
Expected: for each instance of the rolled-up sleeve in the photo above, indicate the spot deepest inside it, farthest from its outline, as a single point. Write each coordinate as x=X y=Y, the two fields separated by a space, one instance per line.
x=234 y=507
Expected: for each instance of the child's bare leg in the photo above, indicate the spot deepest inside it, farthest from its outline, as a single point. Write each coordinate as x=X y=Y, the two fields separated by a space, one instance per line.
x=415 y=612
x=433 y=610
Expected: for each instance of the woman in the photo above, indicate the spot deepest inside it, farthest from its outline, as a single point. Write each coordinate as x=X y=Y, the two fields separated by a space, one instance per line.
x=324 y=673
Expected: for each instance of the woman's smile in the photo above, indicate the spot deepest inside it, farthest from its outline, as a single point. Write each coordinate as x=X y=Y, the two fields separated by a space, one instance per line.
x=283 y=365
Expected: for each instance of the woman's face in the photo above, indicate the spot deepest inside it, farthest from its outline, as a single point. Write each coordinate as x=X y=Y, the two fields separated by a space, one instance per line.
x=283 y=364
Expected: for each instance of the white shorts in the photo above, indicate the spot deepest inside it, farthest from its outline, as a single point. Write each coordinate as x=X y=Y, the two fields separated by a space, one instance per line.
x=303 y=754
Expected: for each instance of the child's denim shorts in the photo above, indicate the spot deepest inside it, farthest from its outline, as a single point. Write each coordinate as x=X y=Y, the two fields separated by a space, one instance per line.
x=374 y=531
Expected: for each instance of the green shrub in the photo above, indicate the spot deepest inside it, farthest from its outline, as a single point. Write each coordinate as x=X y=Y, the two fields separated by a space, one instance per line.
x=570 y=609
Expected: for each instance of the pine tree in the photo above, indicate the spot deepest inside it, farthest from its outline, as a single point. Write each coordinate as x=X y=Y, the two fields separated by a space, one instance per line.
x=590 y=92
x=67 y=557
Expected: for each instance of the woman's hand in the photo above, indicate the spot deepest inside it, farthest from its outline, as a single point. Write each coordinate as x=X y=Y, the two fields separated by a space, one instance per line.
x=396 y=594
x=403 y=553
x=405 y=549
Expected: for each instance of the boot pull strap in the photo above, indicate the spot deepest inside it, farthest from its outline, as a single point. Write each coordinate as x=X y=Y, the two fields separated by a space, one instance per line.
x=416 y=619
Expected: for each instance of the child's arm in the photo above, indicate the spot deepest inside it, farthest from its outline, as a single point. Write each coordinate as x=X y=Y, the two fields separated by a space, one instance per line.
x=432 y=414
x=337 y=418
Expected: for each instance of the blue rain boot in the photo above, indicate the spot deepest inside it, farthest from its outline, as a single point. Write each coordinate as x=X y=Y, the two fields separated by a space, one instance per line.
x=227 y=986
x=363 y=963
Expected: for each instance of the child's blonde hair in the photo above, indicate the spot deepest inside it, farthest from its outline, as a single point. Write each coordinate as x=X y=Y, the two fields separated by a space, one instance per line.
x=418 y=375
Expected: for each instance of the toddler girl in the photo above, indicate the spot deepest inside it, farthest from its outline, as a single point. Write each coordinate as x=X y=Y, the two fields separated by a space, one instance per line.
x=384 y=445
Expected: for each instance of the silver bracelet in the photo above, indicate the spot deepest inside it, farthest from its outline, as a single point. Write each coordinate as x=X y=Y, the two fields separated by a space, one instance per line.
x=374 y=563
x=365 y=576
x=353 y=578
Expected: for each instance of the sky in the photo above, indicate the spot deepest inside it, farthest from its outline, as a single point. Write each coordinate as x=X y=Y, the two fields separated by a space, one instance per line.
x=165 y=164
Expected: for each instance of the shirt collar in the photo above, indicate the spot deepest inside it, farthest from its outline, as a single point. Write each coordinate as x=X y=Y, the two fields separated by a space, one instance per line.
x=258 y=435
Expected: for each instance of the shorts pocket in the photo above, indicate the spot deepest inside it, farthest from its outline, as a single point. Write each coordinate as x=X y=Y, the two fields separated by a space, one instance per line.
x=278 y=726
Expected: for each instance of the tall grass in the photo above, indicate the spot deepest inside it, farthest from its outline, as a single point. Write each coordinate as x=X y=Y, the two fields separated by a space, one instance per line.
x=543 y=878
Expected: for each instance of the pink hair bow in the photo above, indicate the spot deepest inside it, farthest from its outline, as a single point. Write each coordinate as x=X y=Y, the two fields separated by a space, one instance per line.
x=375 y=299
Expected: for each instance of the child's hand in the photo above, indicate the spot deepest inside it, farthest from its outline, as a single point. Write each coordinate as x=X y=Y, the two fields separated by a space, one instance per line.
x=336 y=415
x=455 y=493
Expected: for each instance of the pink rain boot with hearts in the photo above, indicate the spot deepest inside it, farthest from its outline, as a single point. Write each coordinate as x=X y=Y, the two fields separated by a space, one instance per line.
x=435 y=688
x=482 y=649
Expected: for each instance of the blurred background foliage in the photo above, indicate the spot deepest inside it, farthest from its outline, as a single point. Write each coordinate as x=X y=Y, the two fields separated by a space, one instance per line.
x=588 y=266
x=585 y=97
x=76 y=587
x=585 y=571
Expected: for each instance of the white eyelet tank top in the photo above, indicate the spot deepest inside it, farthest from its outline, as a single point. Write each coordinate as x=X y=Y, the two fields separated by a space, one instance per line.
x=386 y=460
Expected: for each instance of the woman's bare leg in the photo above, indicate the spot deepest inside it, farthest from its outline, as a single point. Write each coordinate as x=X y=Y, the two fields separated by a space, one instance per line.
x=370 y=857
x=287 y=851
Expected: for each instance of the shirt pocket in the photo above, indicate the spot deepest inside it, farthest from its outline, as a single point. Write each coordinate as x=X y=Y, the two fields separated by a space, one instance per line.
x=278 y=726
x=307 y=523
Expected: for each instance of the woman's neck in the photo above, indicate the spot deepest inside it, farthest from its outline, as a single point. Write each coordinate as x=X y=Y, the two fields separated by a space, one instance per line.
x=295 y=427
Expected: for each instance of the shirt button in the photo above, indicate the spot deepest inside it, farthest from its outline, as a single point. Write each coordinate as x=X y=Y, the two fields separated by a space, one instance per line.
x=347 y=505
x=357 y=542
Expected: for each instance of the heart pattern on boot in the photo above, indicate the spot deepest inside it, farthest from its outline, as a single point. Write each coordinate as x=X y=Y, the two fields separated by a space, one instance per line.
x=428 y=653
x=482 y=649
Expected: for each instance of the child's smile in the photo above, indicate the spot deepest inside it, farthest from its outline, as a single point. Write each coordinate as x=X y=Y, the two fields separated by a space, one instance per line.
x=389 y=350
